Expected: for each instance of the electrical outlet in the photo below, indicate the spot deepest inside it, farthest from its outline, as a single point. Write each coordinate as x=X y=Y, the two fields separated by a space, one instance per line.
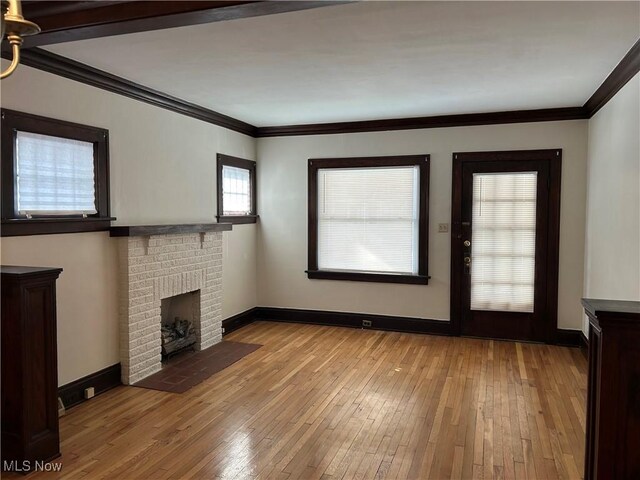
x=366 y=323
x=89 y=393
x=443 y=227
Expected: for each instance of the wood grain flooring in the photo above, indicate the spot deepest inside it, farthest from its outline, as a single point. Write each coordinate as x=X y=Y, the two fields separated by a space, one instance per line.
x=331 y=403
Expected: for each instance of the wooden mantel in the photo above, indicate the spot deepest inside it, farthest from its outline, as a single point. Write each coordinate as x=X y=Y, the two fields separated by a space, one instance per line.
x=147 y=230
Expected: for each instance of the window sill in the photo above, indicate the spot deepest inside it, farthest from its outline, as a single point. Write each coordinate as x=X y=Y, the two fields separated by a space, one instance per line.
x=367 y=277
x=237 y=219
x=47 y=226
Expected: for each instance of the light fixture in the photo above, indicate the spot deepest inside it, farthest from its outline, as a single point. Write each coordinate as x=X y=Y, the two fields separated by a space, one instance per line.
x=16 y=27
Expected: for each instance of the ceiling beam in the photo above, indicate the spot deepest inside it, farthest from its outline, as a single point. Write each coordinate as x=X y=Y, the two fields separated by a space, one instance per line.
x=72 y=21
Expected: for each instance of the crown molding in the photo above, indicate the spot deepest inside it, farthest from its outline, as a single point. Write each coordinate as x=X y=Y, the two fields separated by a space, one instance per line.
x=440 y=121
x=628 y=67
x=80 y=72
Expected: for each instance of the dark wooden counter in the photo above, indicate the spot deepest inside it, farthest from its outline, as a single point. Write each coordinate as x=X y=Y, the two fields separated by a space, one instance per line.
x=29 y=366
x=613 y=392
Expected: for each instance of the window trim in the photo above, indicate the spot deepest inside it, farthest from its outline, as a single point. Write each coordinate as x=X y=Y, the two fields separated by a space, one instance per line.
x=17 y=225
x=229 y=161
x=423 y=163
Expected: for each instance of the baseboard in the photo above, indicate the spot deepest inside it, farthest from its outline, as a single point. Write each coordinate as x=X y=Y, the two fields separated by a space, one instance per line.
x=569 y=338
x=239 y=320
x=103 y=380
x=354 y=320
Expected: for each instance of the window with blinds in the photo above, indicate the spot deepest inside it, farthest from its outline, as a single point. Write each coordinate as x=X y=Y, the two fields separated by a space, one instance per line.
x=236 y=191
x=368 y=219
x=54 y=176
x=503 y=241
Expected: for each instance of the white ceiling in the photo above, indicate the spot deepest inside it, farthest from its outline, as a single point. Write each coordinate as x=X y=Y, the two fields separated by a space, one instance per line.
x=373 y=60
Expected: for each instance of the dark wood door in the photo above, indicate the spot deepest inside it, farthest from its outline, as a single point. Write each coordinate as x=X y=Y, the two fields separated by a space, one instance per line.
x=506 y=211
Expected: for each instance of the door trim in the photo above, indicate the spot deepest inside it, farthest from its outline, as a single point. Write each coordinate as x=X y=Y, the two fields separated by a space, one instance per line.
x=554 y=157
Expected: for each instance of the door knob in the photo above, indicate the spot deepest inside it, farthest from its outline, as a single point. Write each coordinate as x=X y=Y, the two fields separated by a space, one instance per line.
x=467 y=243
x=467 y=260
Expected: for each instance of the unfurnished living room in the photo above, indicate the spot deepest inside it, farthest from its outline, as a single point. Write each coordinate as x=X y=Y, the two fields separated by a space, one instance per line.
x=318 y=239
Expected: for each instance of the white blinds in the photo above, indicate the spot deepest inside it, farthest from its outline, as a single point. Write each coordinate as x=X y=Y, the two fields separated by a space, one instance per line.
x=368 y=219
x=236 y=191
x=503 y=241
x=54 y=175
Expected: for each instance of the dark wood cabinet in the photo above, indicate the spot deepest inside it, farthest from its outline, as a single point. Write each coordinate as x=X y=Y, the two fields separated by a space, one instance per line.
x=613 y=394
x=29 y=365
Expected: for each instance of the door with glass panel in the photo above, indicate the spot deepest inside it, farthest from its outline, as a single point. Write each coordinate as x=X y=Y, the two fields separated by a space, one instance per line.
x=505 y=238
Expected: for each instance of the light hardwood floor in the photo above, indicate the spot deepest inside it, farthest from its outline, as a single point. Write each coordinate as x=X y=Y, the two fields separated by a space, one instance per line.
x=330 y=403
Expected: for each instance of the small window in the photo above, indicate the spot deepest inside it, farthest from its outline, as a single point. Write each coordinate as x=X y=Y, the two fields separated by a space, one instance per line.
x=368 y=219
x=236 y=190
x=54 y=176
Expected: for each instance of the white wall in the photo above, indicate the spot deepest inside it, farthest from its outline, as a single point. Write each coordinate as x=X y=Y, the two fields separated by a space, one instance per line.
x=283 y=208
x=87 y=294
x=612 y=253
x=163 y=170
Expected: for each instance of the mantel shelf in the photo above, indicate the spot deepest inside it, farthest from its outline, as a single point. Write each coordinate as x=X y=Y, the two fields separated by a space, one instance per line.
x=147 y=230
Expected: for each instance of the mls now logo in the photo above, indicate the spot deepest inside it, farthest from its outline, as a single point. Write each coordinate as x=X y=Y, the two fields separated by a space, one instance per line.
x=28 y=466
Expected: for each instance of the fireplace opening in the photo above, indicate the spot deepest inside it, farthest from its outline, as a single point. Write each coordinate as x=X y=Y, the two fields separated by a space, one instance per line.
x=180 y=317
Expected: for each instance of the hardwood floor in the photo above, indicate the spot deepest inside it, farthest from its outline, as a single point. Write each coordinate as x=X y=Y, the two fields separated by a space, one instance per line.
x=330 y=403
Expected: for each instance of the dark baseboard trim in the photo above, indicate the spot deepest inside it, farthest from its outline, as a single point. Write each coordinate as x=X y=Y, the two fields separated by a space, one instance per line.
x=568 y=338
x=73 y=393
x=628 y=67
x=239 y=320
x=354 y=320
x=80 y=72
x=563 y=337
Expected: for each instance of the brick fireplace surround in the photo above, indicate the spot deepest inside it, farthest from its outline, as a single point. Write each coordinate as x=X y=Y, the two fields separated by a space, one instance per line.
x=158 y=262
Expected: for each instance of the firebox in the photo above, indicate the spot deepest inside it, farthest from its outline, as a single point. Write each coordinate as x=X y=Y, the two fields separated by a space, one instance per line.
x=180 y=315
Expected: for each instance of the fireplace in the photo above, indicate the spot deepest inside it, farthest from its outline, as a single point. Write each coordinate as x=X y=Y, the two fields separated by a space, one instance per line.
x=179 y=316
x=167 y=272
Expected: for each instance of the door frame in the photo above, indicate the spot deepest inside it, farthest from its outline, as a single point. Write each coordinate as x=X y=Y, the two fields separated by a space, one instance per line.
x=554 y=158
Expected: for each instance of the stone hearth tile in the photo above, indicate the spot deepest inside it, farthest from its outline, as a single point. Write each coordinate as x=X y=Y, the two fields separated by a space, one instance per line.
x=187 y=370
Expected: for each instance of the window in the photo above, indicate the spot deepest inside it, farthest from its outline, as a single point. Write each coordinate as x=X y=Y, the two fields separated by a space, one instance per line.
x=368 y=219
x=236 y=190
x=504 y=241
x=54 y=176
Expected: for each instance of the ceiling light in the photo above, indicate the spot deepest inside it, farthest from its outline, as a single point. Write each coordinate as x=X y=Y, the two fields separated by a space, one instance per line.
x=16 y=27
